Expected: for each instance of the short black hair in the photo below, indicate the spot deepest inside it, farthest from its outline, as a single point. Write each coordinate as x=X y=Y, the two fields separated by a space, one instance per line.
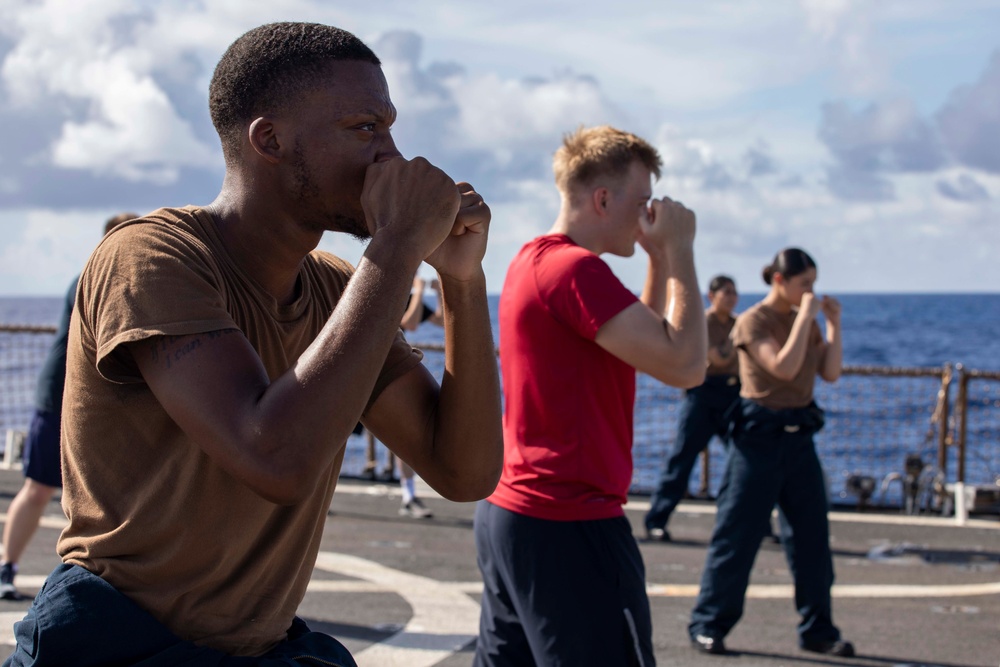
x=789 y=262
x=118 y=219
x=270 y=65
x=720 y=281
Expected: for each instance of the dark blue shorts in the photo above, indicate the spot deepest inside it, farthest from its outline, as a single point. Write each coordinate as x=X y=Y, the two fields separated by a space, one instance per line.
x=41 y=450
x=81 y=620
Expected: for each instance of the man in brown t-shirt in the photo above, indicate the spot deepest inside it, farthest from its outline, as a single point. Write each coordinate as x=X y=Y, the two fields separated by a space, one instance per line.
x=217 y=364
x=703 y=411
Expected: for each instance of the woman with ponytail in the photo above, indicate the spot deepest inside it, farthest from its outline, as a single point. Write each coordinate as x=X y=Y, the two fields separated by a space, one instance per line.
x=773 y=461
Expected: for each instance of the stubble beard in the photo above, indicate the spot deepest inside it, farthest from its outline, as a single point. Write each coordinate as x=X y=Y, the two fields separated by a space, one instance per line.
x=307 y=191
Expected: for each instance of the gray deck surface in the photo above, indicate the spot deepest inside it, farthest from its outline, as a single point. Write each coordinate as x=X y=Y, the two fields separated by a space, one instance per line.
x=399 y=591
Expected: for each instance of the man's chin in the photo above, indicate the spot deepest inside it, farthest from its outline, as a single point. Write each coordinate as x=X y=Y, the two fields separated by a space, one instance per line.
x=627 y=251
x=352 y=226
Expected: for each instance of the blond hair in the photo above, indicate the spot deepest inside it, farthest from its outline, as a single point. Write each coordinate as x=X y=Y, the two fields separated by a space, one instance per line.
x=595 y=152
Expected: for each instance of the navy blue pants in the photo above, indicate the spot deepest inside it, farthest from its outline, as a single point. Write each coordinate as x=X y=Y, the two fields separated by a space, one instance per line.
x=560 y=593
x=703 y=415
x=81 y=620
x=772 y=462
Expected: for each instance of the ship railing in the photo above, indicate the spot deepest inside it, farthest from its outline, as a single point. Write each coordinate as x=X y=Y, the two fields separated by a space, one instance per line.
x=924 y=440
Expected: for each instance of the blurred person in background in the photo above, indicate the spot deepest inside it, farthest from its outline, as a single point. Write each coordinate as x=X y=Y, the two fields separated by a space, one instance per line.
x=42 y=468
x=773 y=462
x=417 y=312
x=703 y=413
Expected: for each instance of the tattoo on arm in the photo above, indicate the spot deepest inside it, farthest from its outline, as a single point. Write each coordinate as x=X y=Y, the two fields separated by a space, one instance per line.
x=171 y=350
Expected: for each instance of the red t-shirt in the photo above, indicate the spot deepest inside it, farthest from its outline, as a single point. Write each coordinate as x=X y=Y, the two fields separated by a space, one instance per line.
x=568 y=403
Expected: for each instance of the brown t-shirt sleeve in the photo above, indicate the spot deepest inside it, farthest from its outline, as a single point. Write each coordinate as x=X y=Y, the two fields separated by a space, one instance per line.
x=146 y=279
x=750 y=326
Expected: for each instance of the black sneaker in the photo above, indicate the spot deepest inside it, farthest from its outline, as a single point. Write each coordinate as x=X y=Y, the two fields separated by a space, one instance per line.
x=708 y=644
x=8 y=591
x=839 y=648
x=416 y=509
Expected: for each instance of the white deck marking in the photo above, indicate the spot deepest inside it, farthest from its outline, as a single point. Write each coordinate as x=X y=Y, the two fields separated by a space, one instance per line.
x=787 y=591
x=444 y=620
x=7 y=621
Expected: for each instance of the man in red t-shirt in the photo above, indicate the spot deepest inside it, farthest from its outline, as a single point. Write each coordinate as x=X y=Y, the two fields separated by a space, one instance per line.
x=564 y=580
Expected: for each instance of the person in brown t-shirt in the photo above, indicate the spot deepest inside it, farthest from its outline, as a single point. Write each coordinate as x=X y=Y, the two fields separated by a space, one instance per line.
x=217 y=363
x=703 y=413
x=773 y=460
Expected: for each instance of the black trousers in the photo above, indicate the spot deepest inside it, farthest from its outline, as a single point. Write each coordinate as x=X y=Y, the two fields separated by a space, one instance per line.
x=772 y=461
x=703 y=415
x=559 y=593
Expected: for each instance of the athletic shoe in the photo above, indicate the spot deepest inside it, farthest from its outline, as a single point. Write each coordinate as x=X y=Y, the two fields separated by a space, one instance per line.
x=839 y=648
x=657 y=534
x=708 y=644
x=416 y=510
x=7 y=589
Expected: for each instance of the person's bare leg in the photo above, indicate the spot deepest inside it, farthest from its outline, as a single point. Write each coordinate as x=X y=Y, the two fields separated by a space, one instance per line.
x=390 y=466
x=369 y=455
x=23 y=516
x=412 y=506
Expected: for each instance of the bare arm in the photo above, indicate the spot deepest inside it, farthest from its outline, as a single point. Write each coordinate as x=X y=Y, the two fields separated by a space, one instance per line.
x=784 y=362
x=453 y=442
x=671 y=347
x=833 y=359
x=414 y=307
x=279 y=436
x=654 y=291
x=438 y=316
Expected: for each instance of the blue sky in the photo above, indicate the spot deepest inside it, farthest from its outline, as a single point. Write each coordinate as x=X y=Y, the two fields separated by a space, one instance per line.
x=866 y=132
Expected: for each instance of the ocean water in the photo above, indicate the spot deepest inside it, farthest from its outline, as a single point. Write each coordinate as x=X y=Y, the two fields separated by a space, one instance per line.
x=872 y=422
x=912 y=330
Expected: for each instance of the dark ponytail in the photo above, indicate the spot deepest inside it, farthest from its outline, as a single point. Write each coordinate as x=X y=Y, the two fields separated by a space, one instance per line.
x=789 y=262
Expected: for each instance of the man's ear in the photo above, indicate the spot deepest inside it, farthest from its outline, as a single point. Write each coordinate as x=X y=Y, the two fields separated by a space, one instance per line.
x=599 y=199
x=263 y=137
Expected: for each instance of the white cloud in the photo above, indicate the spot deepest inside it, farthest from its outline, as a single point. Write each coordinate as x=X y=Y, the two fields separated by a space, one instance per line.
x=63 y=238
x=731 y=94
x=485 y=126
x=82 y=53
x=845 y=28
x=970 y=120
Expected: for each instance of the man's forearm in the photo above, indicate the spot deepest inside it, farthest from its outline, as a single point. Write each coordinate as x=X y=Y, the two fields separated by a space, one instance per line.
x=685 y=314
x=654 y=292
x=342 y=364
x=468 y=441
